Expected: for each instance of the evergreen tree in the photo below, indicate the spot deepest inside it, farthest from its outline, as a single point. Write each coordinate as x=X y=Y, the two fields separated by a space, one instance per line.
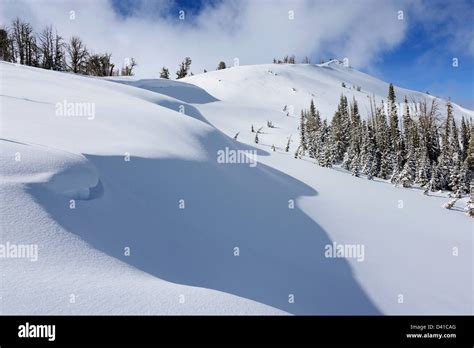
x=370 y=153
x=339 y=125
x=445 y=159
x=355 y=138
x=183 y=68
x=423 y=174
x=165 y=73
x=455 y=153
x=325 y=157
x=382 y=137
x=256 y=140
x=395 y=145
x=436 y=180
x=303 y=132
x=313 y=131
x=464 y=139
x=221 y=65
x=59 y=63
x=407 y=124
x=463 y=179
x=6 y=52
x=355 y=165
x=407 y=175
x=287 y=148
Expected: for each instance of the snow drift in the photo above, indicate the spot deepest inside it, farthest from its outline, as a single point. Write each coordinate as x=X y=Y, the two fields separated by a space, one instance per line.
x=160 y=226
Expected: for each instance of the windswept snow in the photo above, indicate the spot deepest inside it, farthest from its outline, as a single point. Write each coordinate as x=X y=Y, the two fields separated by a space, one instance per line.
x=141 y=172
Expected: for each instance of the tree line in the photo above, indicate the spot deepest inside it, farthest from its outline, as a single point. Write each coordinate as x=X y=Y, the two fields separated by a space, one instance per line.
x=183 y=69
x=420 y=149
x=20 y=44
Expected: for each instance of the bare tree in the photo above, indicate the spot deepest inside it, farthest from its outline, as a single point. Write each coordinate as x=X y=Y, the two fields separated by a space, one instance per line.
x=78 y=55
x=47 y=48
x=24 y=42
x=127 y=70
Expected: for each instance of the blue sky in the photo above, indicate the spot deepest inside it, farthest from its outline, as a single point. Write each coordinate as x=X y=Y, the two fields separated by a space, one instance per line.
x=422 y=60
x=416 y=52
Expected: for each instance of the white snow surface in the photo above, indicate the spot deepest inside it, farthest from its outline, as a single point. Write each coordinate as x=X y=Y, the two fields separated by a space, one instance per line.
x=182 y=261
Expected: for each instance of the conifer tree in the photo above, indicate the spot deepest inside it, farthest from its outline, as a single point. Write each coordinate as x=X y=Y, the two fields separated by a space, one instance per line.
x=382 y=141
x=287 y=148
x=423 y=167
x=407 y=175
x=303 y=132
x=339 y=125
x=435 y=183
x=325 y=157
x=165 y=73
x=407 y=123
x=464 y=139
x=454 y=153
x=370 y=153
x=312 y=131
x=445 y=159
x=184 y=68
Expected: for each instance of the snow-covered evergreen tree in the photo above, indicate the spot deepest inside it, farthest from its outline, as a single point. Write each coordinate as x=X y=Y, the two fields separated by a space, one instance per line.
x=287 y=147
x=455 y=153
x=445 y=159
x=325 y=155
x=302 y=146
x=183 y=68
x=407 y=175
x=436 y=180
x=313 y=131
x=165 y=73
x=394 y=133
x=465 y=136
x=339 y=128
x=370 y=152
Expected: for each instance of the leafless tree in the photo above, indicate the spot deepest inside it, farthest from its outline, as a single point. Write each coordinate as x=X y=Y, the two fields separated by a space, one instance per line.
x=78 y=55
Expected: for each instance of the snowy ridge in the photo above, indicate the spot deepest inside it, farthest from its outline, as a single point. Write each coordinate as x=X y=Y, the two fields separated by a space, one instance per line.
x=183 y=214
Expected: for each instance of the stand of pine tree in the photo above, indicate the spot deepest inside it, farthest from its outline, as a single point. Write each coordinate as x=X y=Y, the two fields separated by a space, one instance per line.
x=420 y=149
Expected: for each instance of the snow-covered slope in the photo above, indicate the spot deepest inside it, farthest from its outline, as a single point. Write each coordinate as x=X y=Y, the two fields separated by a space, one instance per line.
x=207 y=237
x=255 y=94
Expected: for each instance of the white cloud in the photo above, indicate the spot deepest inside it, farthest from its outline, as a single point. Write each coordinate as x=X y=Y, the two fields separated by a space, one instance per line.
x=253 y=31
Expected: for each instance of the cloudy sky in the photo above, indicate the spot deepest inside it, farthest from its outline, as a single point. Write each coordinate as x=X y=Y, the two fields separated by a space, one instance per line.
x=410 y=43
